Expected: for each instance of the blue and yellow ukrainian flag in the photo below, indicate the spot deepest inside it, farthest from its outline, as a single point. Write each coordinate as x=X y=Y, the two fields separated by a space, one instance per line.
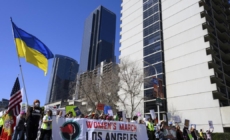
x=31 y=48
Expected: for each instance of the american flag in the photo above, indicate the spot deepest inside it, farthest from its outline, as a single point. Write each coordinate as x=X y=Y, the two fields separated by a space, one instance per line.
x=15 y=99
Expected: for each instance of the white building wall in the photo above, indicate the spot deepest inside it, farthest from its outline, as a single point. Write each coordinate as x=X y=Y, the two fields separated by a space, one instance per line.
x=131 y=42
x=188 y=86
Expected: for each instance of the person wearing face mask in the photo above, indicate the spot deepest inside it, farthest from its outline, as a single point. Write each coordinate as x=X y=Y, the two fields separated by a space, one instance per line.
x=32 y=121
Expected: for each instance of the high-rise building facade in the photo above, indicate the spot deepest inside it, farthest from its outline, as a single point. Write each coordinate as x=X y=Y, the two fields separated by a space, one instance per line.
x=186 y=41
x=4 y=104
x=98 y=39
x=63 y=78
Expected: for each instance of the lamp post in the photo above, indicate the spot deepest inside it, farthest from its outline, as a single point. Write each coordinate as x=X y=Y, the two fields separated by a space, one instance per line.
x=158 y=106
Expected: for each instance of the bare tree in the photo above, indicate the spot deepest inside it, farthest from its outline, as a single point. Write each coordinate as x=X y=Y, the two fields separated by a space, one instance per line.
x=131 y=86
x=99 y=86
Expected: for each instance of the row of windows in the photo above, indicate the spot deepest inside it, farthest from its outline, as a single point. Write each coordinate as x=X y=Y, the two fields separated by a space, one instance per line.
x=150 y=20
x=152 y=38
x=152 y=48
x=153 y=1
x=151 y=71
x=149 y=83
x=152 y=105
x=149 y=4
x=152 y=28
x=157 y=57
x=151 y=11
x=149 y=94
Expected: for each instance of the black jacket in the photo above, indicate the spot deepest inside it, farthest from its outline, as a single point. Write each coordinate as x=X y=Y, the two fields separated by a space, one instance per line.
x=21 y=124
x=34 y=117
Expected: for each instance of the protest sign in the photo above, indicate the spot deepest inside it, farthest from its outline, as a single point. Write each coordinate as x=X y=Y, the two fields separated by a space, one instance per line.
x=70 y=108
x=100 y=106
x=85 y=129
x=24 y=107
x=169 y=116
x=176 y=119
x=186 y=123
x=164 y=117
x=77 y=111
x=210 y=124
x=110 y=112
x=106 y=108
x=152 y=112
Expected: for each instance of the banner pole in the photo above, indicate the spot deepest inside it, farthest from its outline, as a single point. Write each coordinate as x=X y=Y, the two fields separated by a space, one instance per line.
x=19 y=63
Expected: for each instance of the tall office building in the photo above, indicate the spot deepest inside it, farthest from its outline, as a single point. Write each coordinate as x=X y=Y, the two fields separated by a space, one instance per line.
x=62 y=79
x=187 y=42
x=98 y=40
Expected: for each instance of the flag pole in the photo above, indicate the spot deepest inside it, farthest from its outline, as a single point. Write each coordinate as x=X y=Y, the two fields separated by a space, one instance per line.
x=19 y=63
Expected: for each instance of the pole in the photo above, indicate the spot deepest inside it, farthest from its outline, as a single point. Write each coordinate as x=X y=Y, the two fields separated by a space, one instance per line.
x=19 y=63
x=158 y=106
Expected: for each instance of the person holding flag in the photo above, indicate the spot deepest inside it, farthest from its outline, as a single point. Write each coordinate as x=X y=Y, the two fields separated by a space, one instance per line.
x=12 y=111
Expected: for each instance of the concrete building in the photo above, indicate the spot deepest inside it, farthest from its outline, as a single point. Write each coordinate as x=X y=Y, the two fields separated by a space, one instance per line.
x=193 y=53
x=4 y=104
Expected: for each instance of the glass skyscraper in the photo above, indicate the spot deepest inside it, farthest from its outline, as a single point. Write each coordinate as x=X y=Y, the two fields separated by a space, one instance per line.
x=98 y=40
x=63 y=79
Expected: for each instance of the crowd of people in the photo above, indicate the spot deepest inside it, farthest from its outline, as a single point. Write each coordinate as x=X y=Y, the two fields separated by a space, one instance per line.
x=37 y=125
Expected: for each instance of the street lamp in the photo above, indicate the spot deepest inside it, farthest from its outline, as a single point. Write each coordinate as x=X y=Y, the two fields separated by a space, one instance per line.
x=158 y=106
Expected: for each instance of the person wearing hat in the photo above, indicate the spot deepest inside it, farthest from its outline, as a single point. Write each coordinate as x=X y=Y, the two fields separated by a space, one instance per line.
x=46 y=128
x=33 y=117
x=20 y=127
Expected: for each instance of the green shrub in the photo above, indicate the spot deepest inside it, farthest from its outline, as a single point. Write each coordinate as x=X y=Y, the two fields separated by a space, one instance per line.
x=220 y=136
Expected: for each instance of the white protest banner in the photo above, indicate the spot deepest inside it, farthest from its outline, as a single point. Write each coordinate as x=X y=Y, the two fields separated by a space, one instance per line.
x=176 y=119
x=123 y=115
x=164 y=117
x=152 y=112
x=210 y=124
x=24 y=107
x=110 y=112
x=88 y=129
x=169 y=116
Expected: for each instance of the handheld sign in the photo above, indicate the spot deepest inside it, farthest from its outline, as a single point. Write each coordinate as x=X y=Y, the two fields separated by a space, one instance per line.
x=100 y=106
x=186 y=123
x=210 y=124
x=152 y=112
x=110 y=112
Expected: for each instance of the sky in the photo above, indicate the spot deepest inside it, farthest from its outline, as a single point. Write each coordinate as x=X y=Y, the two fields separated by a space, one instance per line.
x=57 y=23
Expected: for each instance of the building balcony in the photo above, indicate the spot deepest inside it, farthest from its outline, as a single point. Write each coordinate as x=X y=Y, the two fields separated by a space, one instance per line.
x=218 y=17
x=220 y=96
x=206 y=15
x=207 y=25
x=216 y=79
x=212 y=50
x=222 y=36
x=224 y=45
x=216 y=7
x=210 y=37
x=222 y=27
x=203 y=3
